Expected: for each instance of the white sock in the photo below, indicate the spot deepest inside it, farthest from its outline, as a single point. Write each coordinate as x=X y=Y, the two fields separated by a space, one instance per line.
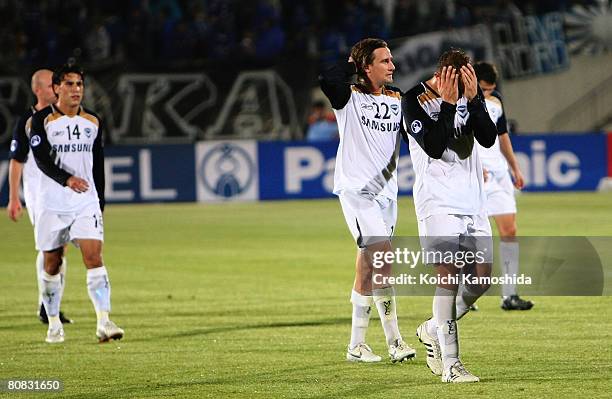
x=40 y=268
x=465 y=299
x=51 y=293
x=446 y=331
x=449 y=342
x=99 y=289
x=54 y=322
x=509 y=257
x=362 y=307
x=62 y=272
x=441 y=309
x=384 y=298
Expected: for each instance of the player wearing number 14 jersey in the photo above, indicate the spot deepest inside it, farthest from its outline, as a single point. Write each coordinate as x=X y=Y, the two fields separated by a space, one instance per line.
x=66 y=141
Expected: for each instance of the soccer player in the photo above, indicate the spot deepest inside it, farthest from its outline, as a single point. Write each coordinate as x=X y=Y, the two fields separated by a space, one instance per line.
x=66 y=140
x=369 y=119
x=501 y=169
x=22 y=163
x=443 y=116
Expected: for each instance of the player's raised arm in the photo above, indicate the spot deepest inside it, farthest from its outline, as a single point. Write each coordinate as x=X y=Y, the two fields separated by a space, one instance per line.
x=335 y=83
x=431 y=135
x=98 y=166
x=42 y=150
x=480 y=122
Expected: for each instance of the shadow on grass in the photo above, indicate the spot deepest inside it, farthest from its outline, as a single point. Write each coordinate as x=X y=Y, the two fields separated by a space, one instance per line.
x=219 y=330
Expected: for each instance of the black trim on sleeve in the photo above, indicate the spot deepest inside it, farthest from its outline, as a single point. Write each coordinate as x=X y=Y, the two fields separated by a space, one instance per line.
x=431 y=135
x=43 y=152
x=480 y=121
x=335 y=82
x=98 y=162
x=20 y=145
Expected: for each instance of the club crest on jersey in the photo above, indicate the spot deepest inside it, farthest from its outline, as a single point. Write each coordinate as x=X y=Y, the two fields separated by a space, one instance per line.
x=35 y=141
x=394 y=109
x=14 y=145
x=367 y=106
x=416 y=126
x=88 y=132
x=462 y=111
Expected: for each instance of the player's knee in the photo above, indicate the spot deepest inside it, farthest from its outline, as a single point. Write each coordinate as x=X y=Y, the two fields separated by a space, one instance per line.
x=508 y=230
x=92 y=259
x=53 y=261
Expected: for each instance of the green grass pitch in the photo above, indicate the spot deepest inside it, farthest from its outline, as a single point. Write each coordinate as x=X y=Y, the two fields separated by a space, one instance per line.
x=251 y=300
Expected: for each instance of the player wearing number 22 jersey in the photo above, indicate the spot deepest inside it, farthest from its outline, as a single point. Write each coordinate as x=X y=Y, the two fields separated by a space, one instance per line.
x=368 y=112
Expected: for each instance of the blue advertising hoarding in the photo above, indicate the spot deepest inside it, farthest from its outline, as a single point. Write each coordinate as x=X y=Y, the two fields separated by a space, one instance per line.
x=549 y=163
x=250 y=170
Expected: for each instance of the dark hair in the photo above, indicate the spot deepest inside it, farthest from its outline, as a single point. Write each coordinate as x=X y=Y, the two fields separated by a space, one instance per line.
x=454 y=57
x=69 y=67
x=486 y=71
x=362 y=54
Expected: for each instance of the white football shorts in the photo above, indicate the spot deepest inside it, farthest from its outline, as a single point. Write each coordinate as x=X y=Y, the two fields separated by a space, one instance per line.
x=500 y=194
x=30 y=202
x=53 y=230
x=370 y=219
x=457 y=233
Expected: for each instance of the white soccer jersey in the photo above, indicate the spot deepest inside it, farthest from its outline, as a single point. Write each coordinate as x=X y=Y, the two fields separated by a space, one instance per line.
x=31 y=177
x=65 y=146
x=452 y=184
x=492 y=158
x=369 y=128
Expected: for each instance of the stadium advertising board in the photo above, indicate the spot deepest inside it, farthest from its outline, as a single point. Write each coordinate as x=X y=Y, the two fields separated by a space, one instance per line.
x=251 y=170
x=549 y=163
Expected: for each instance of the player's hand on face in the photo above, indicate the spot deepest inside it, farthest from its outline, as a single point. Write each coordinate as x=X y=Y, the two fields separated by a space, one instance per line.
x=448 y=85
x=468 y=77
x=485 y=174
x=14 y=210
x=517 y=177
x=77 y=184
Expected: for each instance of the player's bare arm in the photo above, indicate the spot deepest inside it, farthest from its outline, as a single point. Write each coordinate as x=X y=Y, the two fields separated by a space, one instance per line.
x=14 y=208
x=505 y=145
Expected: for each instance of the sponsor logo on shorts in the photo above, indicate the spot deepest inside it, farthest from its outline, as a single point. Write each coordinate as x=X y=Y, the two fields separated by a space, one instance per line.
x=14 y=145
